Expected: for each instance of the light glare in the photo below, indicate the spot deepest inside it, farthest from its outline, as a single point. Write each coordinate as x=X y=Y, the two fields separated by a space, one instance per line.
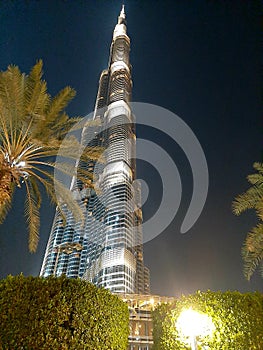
x=191 y=323
x=21 y=164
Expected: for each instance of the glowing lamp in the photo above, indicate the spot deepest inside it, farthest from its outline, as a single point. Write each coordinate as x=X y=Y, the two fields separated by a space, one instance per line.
x=191 y=324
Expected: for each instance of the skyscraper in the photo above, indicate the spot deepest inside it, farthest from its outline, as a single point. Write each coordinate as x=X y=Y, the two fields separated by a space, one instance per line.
x=107 y=249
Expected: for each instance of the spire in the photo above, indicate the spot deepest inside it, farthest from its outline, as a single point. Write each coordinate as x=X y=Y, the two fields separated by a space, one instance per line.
x=122 y=10
x=122 y=17
x=120 y=28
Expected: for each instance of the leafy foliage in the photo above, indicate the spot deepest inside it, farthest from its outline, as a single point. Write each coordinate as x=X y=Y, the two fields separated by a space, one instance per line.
x=238 y=321
x=32 y=128
x=252 y=251
x=60 y=313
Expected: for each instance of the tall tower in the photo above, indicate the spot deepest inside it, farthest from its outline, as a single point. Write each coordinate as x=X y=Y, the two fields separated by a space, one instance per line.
x=107 y=249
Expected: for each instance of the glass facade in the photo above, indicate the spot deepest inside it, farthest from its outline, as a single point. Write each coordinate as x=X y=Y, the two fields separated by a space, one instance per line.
x=107 y=249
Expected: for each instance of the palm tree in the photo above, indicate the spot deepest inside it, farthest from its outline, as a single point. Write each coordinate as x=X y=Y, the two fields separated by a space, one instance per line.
x=32 y=128
x=252 y=251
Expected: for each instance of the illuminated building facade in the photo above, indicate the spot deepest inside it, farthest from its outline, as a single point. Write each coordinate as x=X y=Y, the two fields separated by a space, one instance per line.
x=141 y=325
x=107 y=249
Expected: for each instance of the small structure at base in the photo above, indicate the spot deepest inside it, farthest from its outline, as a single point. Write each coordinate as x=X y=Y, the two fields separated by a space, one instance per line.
x=141 y=327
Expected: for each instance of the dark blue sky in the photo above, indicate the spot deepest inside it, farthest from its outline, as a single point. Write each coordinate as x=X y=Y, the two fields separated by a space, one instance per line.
x=199 y=59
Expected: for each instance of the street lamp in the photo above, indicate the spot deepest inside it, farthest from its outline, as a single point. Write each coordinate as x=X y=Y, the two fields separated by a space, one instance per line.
x=192 y=324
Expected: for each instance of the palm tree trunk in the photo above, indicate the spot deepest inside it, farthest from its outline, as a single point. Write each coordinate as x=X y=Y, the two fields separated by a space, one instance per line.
x=6 y=191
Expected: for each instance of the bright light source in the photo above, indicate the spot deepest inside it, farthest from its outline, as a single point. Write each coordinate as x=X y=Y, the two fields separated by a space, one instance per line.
x=21 y=164
x=191 y=324
x=152 y=301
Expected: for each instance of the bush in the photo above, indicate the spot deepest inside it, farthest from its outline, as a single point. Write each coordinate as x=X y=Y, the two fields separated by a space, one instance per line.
x=60 y=313
x=238 y=321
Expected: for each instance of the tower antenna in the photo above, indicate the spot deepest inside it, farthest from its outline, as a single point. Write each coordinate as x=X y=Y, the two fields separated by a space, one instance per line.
x=122 y=14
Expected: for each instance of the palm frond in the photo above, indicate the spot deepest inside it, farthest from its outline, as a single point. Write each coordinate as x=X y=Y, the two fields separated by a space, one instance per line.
x=255 y=179
x=259 y=210
x=68 y=203
x=247 y=200
x=252 y=251
x=70 y=149
x=33 y=127
x=253 y=197
x=36 y=191
x=259 y=167
x=58 y=103
x=61 y=126
x=70 y=169
x=32 y=217
x=12 y=83
x=62 y=195
x=37 y=99
x=6 y=144
x=49 y=187
x=48 y=127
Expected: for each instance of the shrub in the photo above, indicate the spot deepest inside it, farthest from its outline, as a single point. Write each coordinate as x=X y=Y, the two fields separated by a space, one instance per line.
x=60 y=313
x=238 y=321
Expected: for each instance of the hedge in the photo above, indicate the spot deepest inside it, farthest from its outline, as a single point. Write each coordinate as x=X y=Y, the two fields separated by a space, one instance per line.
x=238 y=321
x=60 y=313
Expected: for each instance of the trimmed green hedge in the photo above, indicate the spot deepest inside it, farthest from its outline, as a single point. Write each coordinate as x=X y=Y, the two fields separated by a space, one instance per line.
x=238 y=321
x=60 y=313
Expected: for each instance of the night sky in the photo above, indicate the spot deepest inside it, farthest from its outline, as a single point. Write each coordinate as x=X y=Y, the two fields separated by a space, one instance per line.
x=199 y=59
